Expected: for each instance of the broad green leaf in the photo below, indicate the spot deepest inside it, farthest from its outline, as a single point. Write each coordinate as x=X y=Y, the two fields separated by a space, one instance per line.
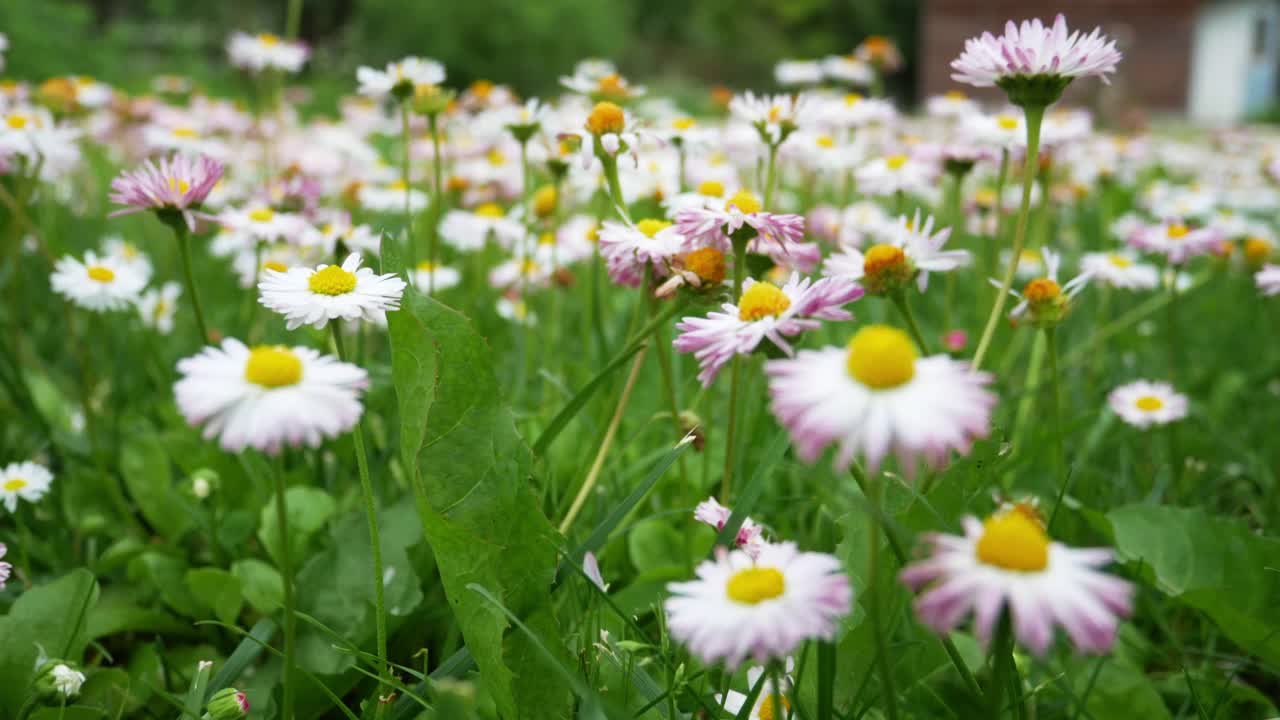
x=144 y=464
x=654 y=544
x=1214 y=564
x=1120 y=691
x=118 y=611
x=217 y=590
x=471 y=473
x=52 y=617
x=308 y=509
x=261 y=584
x=165 y=575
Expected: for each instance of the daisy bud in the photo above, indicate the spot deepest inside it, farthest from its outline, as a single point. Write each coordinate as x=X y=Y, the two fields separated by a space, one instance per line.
x=203 y=482
x=431 y=99
x=1256 y=252
x=708 y=264
x=544 y=201
x=58 y=679
x=227 y=704
x=1047 y=305
x=886 y=270
x=606 y=118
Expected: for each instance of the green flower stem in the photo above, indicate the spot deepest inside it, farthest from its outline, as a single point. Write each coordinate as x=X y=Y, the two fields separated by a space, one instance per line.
x=771 y=176
x=662 y=350
x=1055 y=417
x=437 y=209
x=899 y=299
x=1034 y=115
x=1171 y=318
x=184 y=249
x=286 y=575
x=735 y=371
x=293 y=20
x=404 y=178
x=610 y=163
x=1003 y=668
x=375 y=537
x=1002 y=178
x=1026 y=403
x=954 y=219
x=874 y=611
x=775 y=697
x=900 y=554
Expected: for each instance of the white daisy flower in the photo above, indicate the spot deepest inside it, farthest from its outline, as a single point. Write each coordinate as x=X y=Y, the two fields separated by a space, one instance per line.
x=97 y=283
x=391 y=198
x=911 y=250
x=261 y=223
x=1268 y=280
x=848 y=69
x=599 y=80
x=1030 y=51
x=1009 y=562
x=66 y=680
x=798 y=72
x=516 y=310
x=129 y=254
x=514 y=273
x=762 y=608
x=1176 y=241
x=307 y=296
x=629 y=249
x=5 y=568
x=1120 y=269
x=772 y=695
x=468 y=230
x=437 y=277
x=400 y=78
x=896 y=173
x=158 y=306
x=953 y=104
x=765 y=311
x=23 y=481
x=265 y=51
x=877 y=396
x=773 y=116
x=1007 y=130
x=1144 y=403
x=1043 y=300
x=269 y=396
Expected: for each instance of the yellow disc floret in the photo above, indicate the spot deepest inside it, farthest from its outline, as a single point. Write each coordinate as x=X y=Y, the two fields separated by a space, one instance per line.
x=332 y=280
x=1177 y=231
x=895 y=162
x=1119 y=261
x=262 y=215
x=101 y=274
x=1041 y=290
x=15 y=484
x=882 y=258
x=1149 y=403
x=651 y=227
x=754 y=585
x=606 y=117
x=1007 y=122
x=544 y=201
x=745 y=201
x=762 y=299
x=767 y=706
x=707 y=263
x=1014 y=541
x=881 y=357
x=490 y=210
x=275 y=265
x=711 y=188
x=273 y=366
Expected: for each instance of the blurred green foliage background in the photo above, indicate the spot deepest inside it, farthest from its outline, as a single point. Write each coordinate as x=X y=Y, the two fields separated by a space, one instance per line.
x=680 y=45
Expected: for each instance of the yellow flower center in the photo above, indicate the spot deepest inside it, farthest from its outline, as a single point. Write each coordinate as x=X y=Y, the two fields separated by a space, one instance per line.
x=490 y=210
x=181 y=186
x=611 y=84
x=273 y=367
x=882 y=258
x=1119 y=261
x=1178 y=231
x=129 y=251
x=262 y=215
x=825 y=141
x=1041 y=290
x=529 y=267
x=711 y=188
x=745 y=201
x=761 y=300
x=269 y=39
x=544 y=201
x=707 y=263
x=775 y=113
x=754 y=585
x=496 y=158
x=684 y=123
x=481 y=88
x=852 y=99
x=956 y=95
x=767 y=708
x=1014 y=541
x=1149 y=403
x=185 y=132
x=605 y=118
x=16 y=121
x=1256 y=249
x=651 y=227
x=985 y=197
x=547 y=238
x=426 y=266
x=332 y=280
x=1007 y=122
x=275 y=265
x=101 y=274
x=895 y=162
x=881 y=357
x=15 y=484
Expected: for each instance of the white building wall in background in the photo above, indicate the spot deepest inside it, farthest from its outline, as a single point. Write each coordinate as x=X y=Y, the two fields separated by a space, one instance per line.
x=1221 y=59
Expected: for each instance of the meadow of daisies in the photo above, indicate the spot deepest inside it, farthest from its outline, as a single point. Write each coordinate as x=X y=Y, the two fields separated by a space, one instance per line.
x=461 y=405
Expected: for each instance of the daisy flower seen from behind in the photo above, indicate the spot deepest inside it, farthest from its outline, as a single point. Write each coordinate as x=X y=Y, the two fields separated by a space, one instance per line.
x=764 y=311
x=750 y=537
x=1144 y=403
x=268 y=397
x=763 y=608
x=307 y=296
x=25 y=481
x=1009 y=563
x=876 y=397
